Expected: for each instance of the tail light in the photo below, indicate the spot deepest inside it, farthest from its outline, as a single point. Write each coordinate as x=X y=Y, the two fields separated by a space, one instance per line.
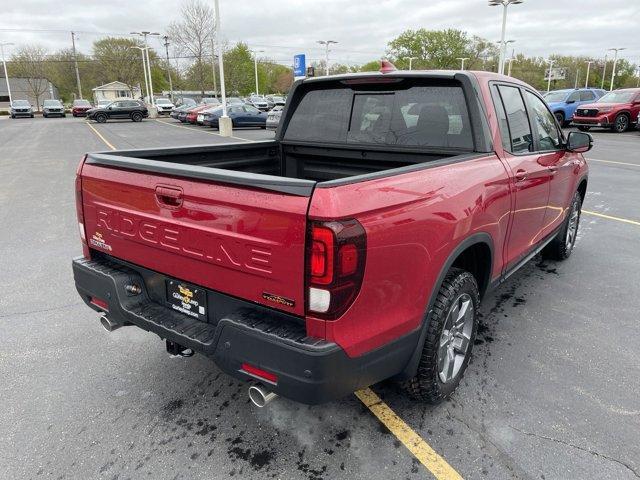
x=79 y=210
x=336 y=254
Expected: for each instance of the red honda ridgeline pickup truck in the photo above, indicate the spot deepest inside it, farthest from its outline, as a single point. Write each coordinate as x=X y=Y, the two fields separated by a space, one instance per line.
x=354 y=247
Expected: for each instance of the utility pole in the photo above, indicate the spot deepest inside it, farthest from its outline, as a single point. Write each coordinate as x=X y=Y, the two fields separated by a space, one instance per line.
x=586 y=80
x=326 y=43
x=604 y=72
x=4 y=64
x=144 y=69
x=615 y=62
x=213 y=65
x=166 y=49
x=146 y=52
x=462 y=60
x=75 y=61
x=550 y=72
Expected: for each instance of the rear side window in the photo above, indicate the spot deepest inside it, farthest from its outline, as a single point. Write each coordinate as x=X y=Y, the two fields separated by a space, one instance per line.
x=519 y=128
x=574 y=97
x=420 y=116
x=586 y=96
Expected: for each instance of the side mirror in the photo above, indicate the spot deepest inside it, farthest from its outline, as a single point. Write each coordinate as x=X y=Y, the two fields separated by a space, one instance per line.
x=579 y=142
x=570 y=101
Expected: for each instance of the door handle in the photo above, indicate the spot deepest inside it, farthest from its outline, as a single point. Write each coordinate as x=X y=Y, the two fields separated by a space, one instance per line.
x=553 y=168
x=169 y=196
x=520 y=175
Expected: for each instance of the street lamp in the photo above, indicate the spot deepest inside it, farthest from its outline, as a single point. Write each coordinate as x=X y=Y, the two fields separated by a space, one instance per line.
x=503 y=45
x=511 y=60
x=411 y=59
x=615 y=61
x=462 y=59
x=604 y=72
x=586 y=81
x=166 y=49
x=255 y=65
x=144 y=68
x=225 y=126
x=550 y=62
x=505 y=4
x=4 y=64
x=146 y=52
x=326 y=43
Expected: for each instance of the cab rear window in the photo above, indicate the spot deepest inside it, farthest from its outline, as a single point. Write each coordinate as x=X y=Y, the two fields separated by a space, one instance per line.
x=419 y=116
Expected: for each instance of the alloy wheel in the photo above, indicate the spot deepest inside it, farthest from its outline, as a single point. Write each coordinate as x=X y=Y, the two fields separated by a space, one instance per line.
x=455 y=338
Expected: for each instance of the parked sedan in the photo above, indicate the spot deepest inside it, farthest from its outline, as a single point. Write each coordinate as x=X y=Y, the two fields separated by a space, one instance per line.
x=274 y=100
x=21 y=108
x=192 y=114
x=177 y=110
x=80 y=108
x=51 y=108
x=121 y=109
x=273 y=117
x=258 y=102
x=241 y=116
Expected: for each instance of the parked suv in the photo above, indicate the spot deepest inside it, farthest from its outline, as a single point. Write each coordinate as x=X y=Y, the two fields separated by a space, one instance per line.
x=617 y=110
x=21 y=108
x=80 y=107
x=563 y=103
x=121 y=109
x=52 y=107
x=164 y=106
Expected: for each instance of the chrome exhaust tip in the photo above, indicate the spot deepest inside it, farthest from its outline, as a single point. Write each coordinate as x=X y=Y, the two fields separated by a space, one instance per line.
x=260 y=397
x=108 y=324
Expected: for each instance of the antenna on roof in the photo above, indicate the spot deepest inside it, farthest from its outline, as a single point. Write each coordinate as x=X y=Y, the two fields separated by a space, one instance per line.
x=386 y=66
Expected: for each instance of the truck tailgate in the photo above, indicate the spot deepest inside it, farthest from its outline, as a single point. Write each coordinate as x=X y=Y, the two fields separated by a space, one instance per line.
x=242 y=241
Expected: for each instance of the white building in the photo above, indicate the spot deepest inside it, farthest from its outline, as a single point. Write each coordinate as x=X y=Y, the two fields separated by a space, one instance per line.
x=114 y=91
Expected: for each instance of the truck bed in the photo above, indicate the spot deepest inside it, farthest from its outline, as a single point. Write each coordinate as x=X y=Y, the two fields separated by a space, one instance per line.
x=272 y=165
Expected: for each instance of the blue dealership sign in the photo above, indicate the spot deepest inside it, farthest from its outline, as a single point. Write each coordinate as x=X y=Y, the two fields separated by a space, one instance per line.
x=299 y=65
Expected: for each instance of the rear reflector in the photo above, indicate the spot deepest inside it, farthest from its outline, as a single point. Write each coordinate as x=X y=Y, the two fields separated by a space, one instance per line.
x=260 y=373
x=98 y=302
x=319 y=300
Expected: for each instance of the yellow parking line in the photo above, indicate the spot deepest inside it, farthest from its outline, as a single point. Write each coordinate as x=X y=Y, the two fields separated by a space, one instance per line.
x=198 y=130
x=100 y=136
x=610 y=217
x=403 y=432
x=614 y=162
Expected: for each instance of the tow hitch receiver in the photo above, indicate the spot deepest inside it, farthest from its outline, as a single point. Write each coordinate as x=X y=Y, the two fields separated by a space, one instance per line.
x=176 y=350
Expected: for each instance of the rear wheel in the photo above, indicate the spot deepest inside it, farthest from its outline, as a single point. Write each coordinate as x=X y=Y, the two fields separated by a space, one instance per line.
x=561 y=246
x=101 y=118
x=449 y=340
x=584 y=128
x=621 y=123
x=136 y=116
x=560 y=118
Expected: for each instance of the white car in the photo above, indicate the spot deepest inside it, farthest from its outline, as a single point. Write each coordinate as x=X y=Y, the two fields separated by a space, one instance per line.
x=164 y=105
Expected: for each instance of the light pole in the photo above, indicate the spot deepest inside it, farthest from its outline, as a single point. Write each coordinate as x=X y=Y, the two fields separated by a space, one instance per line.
x=511 y=60
x=4 y=64
x=615 y=62
x=166 y=49
x=255 y=65
x=604 y=72
x=326 y=44
x=213 y=63
x=411 y=59
x=225 y=127
x=75 y=61
x=550 y=62
x=586 y=80
x=503 y=47
x=144 y=68
x=146 y=52
x=462 y=60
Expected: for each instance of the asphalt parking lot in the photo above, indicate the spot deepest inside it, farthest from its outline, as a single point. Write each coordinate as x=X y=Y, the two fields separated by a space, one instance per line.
x=552 y=391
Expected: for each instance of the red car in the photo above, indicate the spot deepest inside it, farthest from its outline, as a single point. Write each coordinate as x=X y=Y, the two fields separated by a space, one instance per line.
x=80 y=108
x=354 y=247
x=617 y=110
x=192 y=115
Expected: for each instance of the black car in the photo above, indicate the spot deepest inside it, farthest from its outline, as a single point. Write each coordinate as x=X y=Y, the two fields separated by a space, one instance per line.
x=240 y=115
x=120 y=109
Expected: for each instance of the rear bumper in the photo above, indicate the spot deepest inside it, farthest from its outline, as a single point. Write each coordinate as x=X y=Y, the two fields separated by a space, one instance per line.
x=309 y=370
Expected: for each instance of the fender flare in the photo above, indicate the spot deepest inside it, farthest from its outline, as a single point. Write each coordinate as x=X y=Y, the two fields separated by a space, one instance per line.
x=411 y=368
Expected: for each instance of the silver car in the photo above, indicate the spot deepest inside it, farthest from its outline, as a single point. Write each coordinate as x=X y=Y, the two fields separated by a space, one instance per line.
x=273 y=117
x=52 y=107
x=21 y=108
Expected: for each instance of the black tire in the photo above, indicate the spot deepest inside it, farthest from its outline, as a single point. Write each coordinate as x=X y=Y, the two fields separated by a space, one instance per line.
x=13 y=116
x=32 y=115
x=561 y=246
x=136 y=116
x=45 y=115
x=64 y=115
x=621 y=123
x=584 y=128
x=74 y=115
x=427 y=385
x=101 y=118
x=560 y=118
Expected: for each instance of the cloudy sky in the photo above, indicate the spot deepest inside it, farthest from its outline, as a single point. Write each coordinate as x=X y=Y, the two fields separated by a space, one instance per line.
x=363 y=28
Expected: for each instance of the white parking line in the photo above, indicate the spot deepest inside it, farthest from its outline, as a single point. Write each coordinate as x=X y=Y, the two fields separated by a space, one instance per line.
x=199 y=130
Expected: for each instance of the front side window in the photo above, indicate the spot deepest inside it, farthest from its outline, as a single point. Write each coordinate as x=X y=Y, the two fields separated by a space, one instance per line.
x=544 y=124
x=419 y=116
x=519 y=128
x=574 y=97
x=250 y=109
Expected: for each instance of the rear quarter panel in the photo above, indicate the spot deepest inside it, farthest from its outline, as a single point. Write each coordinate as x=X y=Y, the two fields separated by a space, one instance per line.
x=413 y=222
